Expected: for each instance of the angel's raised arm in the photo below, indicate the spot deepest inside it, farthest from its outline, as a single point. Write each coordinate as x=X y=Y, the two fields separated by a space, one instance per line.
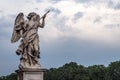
x=42 y=23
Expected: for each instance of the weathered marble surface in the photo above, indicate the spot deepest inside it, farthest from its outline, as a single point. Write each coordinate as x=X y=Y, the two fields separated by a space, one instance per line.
x=31 y=74
x=27 y=31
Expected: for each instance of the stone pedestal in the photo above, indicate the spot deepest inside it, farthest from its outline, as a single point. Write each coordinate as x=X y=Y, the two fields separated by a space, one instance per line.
x=30 y=74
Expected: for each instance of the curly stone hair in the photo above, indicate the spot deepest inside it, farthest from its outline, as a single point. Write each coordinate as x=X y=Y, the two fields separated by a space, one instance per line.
x=30 y=15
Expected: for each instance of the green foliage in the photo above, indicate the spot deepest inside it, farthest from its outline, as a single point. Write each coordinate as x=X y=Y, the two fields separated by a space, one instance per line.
x=97 y=72
x=12 y=76
x=114 y=70
x=73 y=71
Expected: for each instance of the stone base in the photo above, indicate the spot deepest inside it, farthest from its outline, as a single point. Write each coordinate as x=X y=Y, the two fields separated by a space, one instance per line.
x=30 y=74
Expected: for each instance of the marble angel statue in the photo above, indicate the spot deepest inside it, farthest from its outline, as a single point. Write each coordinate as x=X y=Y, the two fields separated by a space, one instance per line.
x=27 y=32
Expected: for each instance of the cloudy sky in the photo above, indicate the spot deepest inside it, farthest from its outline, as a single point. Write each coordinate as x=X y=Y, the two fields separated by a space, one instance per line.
x=82 y=31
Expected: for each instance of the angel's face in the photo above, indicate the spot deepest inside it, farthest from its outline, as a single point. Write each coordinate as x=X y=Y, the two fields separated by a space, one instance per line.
x=30 y=15
x=34 y=18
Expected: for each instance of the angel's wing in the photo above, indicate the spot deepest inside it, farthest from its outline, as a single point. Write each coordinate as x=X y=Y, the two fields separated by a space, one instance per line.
x=17 y=27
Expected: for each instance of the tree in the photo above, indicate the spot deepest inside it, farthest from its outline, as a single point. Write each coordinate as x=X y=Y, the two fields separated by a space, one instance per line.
x=97 y=72
x=73 y=71
x=2 y=77
x=114 y=70
x=12 y=76
x=69 y=71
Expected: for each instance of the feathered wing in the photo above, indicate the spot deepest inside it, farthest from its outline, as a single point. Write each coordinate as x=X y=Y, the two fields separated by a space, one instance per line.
x=17 y=28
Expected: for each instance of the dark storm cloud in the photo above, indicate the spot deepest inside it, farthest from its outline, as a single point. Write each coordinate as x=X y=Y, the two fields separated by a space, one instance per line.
x=78 y=15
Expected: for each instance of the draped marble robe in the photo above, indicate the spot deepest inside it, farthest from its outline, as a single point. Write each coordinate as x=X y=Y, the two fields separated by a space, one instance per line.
x=27 y=30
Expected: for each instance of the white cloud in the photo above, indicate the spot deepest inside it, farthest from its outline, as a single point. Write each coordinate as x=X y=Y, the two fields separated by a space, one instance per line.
x=64 y=25
x=85 y=27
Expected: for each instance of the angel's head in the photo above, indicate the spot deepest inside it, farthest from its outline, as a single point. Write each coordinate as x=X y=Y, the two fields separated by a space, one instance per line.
x=30 y=15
